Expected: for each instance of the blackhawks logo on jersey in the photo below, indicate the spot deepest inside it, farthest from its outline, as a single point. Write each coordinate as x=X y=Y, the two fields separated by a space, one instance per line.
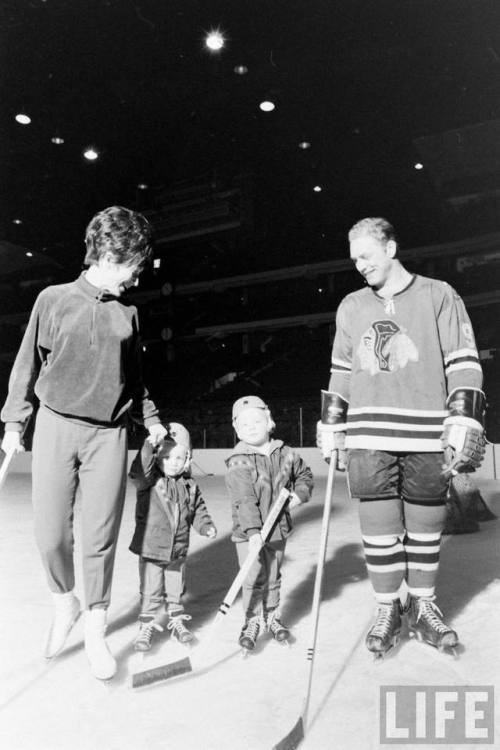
x=385 y=347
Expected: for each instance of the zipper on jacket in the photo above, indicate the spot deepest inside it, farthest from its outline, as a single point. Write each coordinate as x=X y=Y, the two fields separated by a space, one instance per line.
x=97 y=301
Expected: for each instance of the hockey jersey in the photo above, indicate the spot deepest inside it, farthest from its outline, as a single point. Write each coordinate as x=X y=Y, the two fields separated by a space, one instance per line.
x=396 y=360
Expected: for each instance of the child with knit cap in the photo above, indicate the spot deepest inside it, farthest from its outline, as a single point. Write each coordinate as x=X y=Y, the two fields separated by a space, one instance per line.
x=258 y=469
x=169 y=502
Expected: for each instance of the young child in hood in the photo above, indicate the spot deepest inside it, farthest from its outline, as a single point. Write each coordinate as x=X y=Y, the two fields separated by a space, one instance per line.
x=169 y=502
x=258 y=468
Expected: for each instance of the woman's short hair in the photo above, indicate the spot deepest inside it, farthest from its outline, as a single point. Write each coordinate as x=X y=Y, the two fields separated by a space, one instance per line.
x=125 y=234
x=376 y=227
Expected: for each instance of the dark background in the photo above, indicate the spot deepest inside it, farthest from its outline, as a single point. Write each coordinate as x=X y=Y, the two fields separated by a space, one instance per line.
x=374 y=86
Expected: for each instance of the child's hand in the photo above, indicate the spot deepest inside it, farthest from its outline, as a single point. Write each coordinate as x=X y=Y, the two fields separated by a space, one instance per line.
x=294 y=501
x=211 y=532
x=254 y=542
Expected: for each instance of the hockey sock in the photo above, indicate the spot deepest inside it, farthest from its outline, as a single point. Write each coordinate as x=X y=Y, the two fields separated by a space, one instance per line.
x=386 y=564
x=424 y=523
x=422 y=556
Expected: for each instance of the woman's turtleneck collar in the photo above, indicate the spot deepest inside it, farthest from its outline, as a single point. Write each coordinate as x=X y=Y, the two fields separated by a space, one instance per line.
x=91 y=291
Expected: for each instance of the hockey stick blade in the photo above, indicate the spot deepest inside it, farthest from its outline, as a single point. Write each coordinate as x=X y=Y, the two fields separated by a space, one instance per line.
x=159 y=674
x=293 y=738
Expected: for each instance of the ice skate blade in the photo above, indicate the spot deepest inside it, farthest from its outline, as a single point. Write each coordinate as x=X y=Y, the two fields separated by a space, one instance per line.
x=246 y=652
x=379 y=656
x=285 y=643
x=446 y=650
x=449 y=651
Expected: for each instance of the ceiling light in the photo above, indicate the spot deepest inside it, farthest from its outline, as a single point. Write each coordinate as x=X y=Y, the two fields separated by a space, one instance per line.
x=30 y=255
x=23 y=119
x=91 y=154
x=157 y=263
x=317 y=188
x=418 y=165
x=267 y=106
x=142 y=186
x=240 y=70
x=17 y=221
x=57 y=140
x=214 y=41
x=304 y=145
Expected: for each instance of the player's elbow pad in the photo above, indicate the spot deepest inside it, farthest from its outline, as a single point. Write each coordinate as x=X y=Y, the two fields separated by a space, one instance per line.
x=333 y=411
x=466 y=406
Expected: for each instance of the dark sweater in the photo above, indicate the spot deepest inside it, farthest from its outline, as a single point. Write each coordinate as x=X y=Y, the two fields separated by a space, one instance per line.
x=80 y=356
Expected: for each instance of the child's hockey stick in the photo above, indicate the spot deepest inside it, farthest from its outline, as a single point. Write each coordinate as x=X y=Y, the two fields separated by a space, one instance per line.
x=182 y=666
x=5 y=466
x=297 y=734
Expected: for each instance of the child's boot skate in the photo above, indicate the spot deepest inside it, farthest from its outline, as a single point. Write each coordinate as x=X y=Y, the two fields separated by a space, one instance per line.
x=278 y=630
x=249 y=634
x=425 y=624
x=384 y=633
x=147 y=627
x=176 y=625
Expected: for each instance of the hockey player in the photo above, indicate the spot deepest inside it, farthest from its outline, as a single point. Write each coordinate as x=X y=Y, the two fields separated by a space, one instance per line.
x=405 y=385
x=168 y=504
x=258 y=468
x=80 y=358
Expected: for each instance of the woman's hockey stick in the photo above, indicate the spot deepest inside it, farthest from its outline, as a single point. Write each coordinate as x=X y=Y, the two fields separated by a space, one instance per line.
x=297 y=734
x=5 y=466
x=165 y=672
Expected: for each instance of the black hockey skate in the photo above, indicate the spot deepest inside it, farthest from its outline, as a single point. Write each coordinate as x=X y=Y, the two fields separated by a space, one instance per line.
x=384 y=633
x=249 y=634
x=274 y=626
x=426 y=625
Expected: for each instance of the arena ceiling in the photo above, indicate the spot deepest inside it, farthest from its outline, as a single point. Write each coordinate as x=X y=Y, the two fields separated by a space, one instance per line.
x=369 y=84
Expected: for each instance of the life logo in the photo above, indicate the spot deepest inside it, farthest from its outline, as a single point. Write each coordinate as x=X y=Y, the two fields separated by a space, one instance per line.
x=385 y=347
x=450 y=715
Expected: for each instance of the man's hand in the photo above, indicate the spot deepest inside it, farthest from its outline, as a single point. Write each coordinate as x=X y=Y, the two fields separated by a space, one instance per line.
x=464 y=448
x=463 y=439
x=156 y=434
x=211 y=532
x=294 y=501
x=328 y=441
x=11 y=442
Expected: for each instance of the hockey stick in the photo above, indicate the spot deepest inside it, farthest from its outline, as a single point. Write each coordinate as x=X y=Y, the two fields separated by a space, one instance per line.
x=297 y=734
x=5 y=466
x=165 y=672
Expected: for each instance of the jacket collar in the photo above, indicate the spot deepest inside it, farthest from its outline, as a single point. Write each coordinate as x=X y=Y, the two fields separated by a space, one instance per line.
x=91 y=291
x=245 y=448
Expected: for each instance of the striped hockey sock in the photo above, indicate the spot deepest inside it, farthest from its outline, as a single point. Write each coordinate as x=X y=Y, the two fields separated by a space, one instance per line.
x=422 y=555
x=386 y=563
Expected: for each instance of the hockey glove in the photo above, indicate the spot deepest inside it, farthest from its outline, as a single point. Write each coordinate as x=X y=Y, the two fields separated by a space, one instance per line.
x=463 y=440
x=331 y=429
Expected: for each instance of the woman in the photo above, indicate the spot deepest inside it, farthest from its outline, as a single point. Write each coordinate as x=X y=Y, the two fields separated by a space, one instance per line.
x=80 y=358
